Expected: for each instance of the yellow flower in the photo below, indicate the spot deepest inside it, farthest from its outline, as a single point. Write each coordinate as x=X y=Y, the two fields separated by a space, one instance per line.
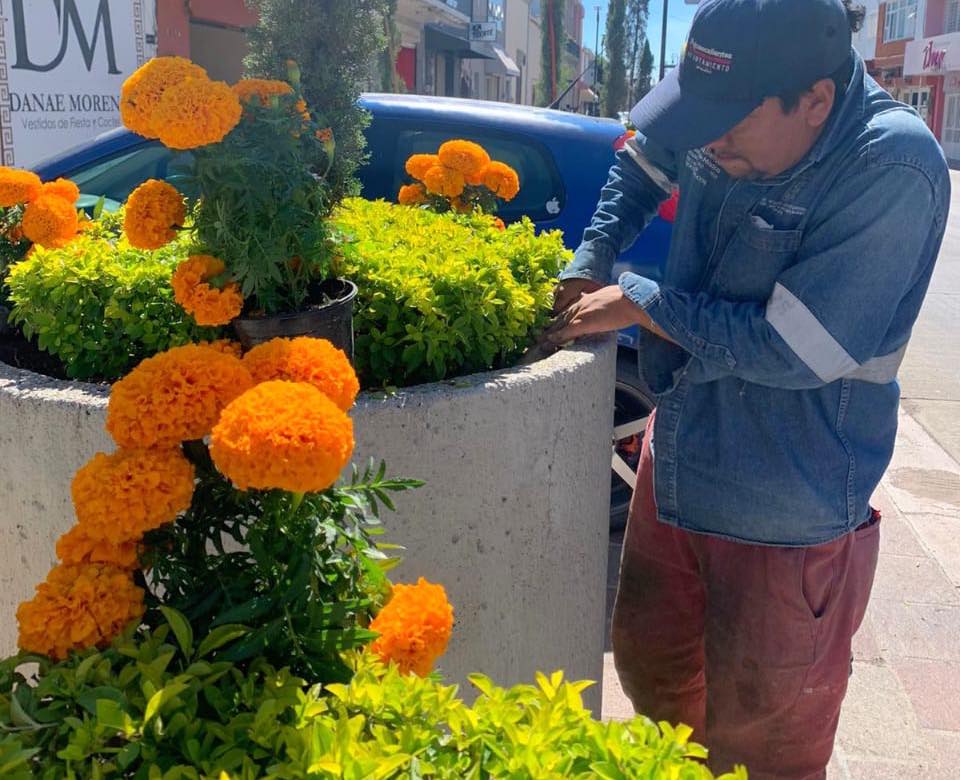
x=78 y=607
x=196 y=113
x=414 y=627
x=314 y=361
x=464 y=156
x=119 y=497
x=501 y=180
x=50 y=221
x=261 y=90
x=174 y=396
x=418 y=165
x=207 y=305
x=142 y=91
x=441 y=180
x=18 y=186
x=62 y=188
x=153 y=213
x=412 y=195
x=79 y=546
x=282 y=435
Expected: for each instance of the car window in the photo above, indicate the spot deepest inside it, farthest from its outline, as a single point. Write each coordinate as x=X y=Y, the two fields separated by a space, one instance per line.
x=541 y=194
x=114 y=178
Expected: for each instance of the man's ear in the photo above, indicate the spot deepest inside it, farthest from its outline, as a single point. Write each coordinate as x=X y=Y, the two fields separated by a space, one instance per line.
x=818 y=101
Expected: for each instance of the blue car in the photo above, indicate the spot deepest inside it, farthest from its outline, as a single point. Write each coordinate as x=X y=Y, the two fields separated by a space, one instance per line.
x=562 y=160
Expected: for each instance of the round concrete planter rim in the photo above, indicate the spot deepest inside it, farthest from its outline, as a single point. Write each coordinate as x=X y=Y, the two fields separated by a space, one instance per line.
x=26 y=383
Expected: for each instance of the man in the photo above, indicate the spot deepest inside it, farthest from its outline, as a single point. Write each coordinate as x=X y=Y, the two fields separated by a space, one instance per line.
x=812 y=207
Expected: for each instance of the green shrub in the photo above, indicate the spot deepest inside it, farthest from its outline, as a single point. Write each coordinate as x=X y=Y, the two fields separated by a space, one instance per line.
x=101 y=306
x=442 y=295
x=149 y=708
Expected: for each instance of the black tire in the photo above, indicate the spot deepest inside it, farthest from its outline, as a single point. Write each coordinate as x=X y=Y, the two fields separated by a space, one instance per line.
x=633 y=400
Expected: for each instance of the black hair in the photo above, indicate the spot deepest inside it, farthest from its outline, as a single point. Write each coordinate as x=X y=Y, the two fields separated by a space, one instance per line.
x=790 y=98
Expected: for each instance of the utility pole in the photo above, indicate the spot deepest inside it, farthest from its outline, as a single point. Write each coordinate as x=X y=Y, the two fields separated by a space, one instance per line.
x=663 y=42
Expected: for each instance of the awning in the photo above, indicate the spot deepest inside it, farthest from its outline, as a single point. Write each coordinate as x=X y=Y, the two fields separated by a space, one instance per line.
x=454 y=39
x=500 y=60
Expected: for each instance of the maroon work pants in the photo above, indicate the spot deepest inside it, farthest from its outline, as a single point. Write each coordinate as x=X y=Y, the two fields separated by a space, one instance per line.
x=749 y=645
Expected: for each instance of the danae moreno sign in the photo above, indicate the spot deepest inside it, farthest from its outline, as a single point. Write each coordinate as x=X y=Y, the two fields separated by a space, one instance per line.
x=63 y=63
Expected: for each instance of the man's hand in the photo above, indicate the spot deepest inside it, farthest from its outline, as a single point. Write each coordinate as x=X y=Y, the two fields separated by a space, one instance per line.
x=605 y=310
x=569 y=292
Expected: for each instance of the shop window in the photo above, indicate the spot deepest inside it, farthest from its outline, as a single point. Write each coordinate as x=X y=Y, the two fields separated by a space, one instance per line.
x=951 y=124
x=901 y=20
x=953 y=16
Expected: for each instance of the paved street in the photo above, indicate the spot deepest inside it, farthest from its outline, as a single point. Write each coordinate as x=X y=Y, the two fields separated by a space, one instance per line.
x=901 y=718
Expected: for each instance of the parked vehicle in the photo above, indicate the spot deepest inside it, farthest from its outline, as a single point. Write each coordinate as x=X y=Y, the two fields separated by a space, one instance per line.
x=562 y=160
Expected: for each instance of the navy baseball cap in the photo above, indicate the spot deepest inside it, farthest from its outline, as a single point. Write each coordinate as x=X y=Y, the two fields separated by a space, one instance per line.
x=738 y=53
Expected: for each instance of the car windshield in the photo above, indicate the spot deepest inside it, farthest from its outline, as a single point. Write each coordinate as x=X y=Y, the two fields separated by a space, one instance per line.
x=114 y=178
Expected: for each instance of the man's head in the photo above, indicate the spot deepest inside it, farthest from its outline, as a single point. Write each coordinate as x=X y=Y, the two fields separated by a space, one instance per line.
x=757 y=82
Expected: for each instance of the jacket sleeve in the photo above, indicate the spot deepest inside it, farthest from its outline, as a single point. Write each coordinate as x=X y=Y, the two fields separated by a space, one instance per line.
x=844 y=309
x=640 y=180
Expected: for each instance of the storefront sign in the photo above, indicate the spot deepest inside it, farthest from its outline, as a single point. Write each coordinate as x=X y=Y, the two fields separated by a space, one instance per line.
x=483 y=31
x=932 y=56
x=62 y=64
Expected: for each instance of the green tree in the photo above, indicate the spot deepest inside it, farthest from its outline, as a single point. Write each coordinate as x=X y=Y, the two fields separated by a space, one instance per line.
x=637 y=15
x=645 y=75
x=334 y=44
x=390 y=80
x=615 y=91
x=551 y=43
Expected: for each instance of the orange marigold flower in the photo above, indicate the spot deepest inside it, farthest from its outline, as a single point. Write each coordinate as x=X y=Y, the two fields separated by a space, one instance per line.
x=418 y=165
x=207 y=305
x=18 y=186
x=50 y=221
x=142 y=91
x=62 y=188
x=412 y=195
x=121 y=496
x=249 y=90
x=78 y=607
x=414 y=627
x=282 y=435
x=464 y=156
x=153 y=213
x=499 y=224
x=226 y=346
x=314 y=361
x=175 y=396
x=501 y=180
x=325 y=135
x=79 y=546
x=441 y=180
x=196 y=113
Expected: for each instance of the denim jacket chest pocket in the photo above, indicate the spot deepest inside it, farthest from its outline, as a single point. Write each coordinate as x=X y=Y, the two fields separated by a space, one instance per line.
x=753 y=260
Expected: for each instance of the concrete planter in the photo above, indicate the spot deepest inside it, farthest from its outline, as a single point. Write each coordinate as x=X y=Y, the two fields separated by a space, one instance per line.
x=513 y=519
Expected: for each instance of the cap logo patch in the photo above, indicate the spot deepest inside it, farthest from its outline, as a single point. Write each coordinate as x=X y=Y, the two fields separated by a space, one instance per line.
x=709 y=60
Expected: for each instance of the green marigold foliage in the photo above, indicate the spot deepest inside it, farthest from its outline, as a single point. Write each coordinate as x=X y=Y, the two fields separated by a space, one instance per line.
x=154 y=707
x=442 y=296
x=99 y=306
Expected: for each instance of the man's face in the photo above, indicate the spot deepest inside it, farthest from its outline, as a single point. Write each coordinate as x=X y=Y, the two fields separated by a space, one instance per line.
x=770 y=141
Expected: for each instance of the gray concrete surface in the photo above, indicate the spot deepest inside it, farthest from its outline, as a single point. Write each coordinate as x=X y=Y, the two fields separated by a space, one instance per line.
x=901 y=717
x=512 y=520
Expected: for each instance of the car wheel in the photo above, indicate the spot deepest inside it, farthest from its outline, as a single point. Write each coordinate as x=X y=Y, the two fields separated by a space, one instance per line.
x=633 y=403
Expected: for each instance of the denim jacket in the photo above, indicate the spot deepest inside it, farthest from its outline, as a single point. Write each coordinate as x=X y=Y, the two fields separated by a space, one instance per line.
x=791 y=300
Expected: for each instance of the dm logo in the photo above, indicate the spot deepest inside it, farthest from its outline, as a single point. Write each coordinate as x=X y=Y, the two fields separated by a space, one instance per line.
x=68 y=18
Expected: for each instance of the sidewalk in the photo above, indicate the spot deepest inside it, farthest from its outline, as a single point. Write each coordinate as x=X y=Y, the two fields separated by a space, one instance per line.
x=901 y=718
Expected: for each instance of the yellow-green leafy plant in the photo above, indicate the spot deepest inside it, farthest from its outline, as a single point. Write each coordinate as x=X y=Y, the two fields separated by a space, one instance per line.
x=443 y=295
x=155 y=705
x=100 y=305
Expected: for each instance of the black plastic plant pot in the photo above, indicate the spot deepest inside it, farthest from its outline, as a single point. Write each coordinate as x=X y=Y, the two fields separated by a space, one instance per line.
x=331 y=320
